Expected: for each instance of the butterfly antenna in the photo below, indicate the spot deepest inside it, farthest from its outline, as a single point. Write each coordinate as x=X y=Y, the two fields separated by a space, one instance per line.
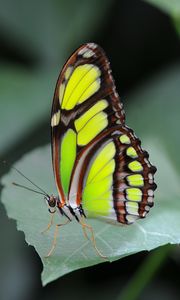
x=42 y=191
x=27 y=188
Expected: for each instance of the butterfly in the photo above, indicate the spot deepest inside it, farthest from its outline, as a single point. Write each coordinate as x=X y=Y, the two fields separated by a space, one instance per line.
x=100 y=169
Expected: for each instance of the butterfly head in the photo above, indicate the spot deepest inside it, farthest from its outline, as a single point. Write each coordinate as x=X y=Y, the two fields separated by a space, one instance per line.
x=52 y=202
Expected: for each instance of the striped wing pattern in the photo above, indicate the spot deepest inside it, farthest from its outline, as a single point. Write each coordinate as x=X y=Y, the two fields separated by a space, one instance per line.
x=97 y=160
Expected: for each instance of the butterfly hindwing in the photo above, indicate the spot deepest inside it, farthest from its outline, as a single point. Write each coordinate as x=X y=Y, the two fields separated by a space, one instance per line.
x=117 y=183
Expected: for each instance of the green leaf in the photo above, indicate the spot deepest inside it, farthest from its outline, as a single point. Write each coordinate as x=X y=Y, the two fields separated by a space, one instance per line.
x=170 y=7
x=154 y=121
x=72 y=252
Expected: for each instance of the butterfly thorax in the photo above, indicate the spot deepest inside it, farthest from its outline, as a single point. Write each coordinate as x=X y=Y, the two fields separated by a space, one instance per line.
x=70 y=213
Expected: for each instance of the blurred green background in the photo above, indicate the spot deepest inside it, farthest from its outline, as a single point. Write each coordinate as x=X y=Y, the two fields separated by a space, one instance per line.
x=141 y=39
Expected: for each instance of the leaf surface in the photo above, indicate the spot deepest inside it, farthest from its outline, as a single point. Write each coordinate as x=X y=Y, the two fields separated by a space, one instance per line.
x=156 y=123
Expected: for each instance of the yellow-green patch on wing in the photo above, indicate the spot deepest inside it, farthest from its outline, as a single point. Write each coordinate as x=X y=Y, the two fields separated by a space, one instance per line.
x=96 y=108
x=131 y=152
x=106 y=170
x=134 y=194
x=89 y=91
x=68 y=155
x=135 y=180
x=92 y=128
x=124 y=139
x=97 y=197
x=68 y=72
x=83 y=82
x=97 y=193
x=135 y=166
x=61 y=92
x=104 y=156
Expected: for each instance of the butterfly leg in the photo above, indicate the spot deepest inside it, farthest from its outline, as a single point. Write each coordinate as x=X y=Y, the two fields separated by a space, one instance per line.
x=55 y=238
x=85 y=233
x=86 y=226
x=49 y=224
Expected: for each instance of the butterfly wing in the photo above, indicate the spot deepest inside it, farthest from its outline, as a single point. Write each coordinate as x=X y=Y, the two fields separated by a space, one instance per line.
x=118 y=181
x=98 y=162
x=85 y=104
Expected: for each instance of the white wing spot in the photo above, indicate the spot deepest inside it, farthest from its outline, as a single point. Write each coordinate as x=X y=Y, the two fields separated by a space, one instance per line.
x=147 y=162
x=150 y=176
x=150 y=199
x=150 y=193
x=147 y=208
x=131 y=218
x=86 y=52
x=144 y=213
x=55 y=119
x=92 y=45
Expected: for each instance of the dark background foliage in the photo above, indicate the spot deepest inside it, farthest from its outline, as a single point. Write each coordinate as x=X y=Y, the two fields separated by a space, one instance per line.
x=140 y=41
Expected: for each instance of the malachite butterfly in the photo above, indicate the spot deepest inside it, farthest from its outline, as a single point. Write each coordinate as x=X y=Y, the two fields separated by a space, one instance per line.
x=100 y=169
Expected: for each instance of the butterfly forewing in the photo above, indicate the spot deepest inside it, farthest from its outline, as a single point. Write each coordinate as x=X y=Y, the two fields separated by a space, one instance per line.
x=98 y=162
x=85 y=104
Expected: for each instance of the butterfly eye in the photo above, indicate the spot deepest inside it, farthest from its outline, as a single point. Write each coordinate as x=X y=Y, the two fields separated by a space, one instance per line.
x=51 y=201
